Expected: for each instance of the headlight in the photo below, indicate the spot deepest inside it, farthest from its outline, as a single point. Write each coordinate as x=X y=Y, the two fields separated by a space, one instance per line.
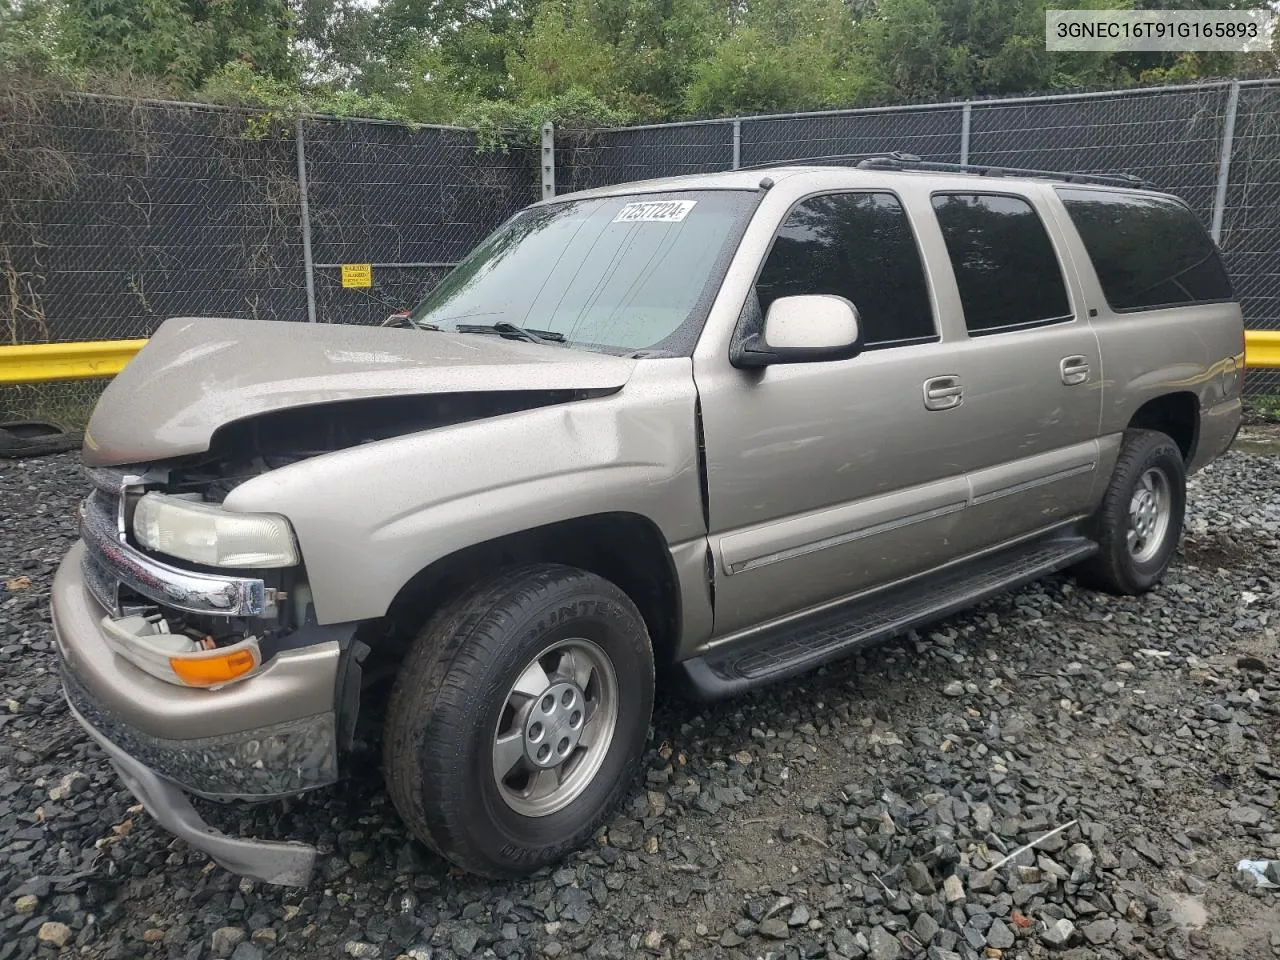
x=206 y=533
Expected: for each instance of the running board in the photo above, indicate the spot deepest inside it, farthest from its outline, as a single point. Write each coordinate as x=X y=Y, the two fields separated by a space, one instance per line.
x=799 y=646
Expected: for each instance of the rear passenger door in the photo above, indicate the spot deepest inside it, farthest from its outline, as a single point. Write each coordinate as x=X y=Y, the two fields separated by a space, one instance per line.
x=1029 y=372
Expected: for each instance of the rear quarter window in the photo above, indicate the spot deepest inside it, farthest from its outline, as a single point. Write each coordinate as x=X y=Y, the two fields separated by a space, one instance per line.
x=1148 y=252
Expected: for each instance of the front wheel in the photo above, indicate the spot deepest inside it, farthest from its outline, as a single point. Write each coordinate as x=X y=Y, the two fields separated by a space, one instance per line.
x=518 y=719
x=1140 y=520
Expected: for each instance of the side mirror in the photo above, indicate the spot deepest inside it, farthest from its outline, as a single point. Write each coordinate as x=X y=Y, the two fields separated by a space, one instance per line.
x=803 y=329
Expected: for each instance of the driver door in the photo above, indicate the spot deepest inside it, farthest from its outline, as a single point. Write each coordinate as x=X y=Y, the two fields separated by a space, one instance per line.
x=829 y=478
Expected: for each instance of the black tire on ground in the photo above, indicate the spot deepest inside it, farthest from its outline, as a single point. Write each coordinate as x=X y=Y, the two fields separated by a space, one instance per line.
x=35 y=438
x=451 y=695
x=1114 y=568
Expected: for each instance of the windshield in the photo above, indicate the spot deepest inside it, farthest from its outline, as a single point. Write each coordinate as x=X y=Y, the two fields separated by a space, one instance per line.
x=621 y=274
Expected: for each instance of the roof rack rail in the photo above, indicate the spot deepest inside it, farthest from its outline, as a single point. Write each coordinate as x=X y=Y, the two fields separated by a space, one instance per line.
x=909 y=161
x=837 y=159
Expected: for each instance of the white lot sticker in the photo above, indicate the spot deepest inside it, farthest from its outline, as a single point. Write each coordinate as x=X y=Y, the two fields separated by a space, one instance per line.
x=655 y=211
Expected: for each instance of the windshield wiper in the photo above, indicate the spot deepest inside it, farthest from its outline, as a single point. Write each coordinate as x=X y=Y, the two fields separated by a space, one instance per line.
x=508 y=329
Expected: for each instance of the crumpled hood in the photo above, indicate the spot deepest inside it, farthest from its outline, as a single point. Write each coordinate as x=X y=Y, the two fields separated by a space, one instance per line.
x=197 y=374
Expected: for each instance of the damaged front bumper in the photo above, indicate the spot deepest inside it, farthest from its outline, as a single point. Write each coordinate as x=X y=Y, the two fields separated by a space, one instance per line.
x=289 y=863
x=272 y=735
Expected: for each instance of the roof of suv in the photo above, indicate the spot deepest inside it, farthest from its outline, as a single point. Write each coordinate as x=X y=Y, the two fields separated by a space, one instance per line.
x=750 y=179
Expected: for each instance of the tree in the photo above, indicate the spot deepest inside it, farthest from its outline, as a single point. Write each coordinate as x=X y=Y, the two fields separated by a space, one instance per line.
x=783 y=55
x=181 y=40
x=563 y=51
x=522 y=61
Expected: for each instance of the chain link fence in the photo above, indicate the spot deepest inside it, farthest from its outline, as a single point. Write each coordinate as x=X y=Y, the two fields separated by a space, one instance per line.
x=1172 y=136
x=117 y=214
x=411 y=203
x=1251 y=217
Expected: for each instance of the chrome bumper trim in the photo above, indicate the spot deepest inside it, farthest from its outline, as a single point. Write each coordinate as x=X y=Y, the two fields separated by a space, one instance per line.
x=180 y=589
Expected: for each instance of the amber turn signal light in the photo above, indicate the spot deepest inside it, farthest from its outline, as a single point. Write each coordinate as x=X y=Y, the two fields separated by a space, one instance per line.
x=210 y=671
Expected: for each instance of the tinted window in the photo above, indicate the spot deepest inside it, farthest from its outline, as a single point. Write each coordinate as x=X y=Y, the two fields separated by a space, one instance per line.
x=618 y=273
x=1004 y=262
x=1148 y=251
x=858 y=246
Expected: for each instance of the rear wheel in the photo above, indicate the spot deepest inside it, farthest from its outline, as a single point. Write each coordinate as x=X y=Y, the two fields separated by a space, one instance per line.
x=1140 y=520
x=517 y=721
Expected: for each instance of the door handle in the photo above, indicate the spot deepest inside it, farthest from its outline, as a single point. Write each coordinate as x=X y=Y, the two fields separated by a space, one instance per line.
x=1074 y=370
x=943 y=393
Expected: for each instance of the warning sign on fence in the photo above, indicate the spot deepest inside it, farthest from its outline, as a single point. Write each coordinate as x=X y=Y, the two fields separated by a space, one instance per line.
x=357 y=275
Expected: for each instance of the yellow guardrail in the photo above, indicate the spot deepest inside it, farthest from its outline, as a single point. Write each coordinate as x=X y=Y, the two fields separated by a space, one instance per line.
x=1262 y=348
x=40 y=362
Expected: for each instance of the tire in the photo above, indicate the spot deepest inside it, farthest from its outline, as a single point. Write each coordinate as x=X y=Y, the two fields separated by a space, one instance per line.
x=454 y=696
x=1146 y=457
x=35 y=438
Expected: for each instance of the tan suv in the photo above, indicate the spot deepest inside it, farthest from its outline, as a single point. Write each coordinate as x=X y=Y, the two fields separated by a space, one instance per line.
x=734 y=426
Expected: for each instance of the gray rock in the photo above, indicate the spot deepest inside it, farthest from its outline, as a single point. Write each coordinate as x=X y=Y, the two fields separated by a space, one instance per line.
x=982 y=817
x=1028 y=874
x=779 y=905
x=1099 y=931
x=1245 y=815
x=953 y=889
x=464 y=941
x=918 y=877
x=362 y=950
x=954 y=689
x=774 y=929
x=799 y=916
x=1216 y=711
x=883 y=945
x=1059 y=933
x=976 y=939
x=225 y=940
x=246 y=951
x=925 y=928
x=1000 y=936
x=1078 y=854
x=846 y=943
x=983 y=882
x=1149 y=851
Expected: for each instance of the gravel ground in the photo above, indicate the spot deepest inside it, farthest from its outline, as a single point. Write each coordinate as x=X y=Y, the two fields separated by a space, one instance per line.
x=856 y=813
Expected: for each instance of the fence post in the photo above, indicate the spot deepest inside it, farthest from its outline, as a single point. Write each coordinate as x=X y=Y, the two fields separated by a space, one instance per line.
x=304 y=210
x=737 y=143
x=548 y=161
x=964 y=133
x=1224 y=161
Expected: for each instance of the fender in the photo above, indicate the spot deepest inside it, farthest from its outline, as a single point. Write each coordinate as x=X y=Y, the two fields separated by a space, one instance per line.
x=368 y=518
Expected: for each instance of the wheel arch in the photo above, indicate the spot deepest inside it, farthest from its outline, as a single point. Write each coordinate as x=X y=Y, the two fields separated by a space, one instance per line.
x=624 y=548
x=1177 y=415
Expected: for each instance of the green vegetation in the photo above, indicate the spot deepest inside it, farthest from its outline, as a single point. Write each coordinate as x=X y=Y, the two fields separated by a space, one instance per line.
x=511 y=64
x=1263 y=408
